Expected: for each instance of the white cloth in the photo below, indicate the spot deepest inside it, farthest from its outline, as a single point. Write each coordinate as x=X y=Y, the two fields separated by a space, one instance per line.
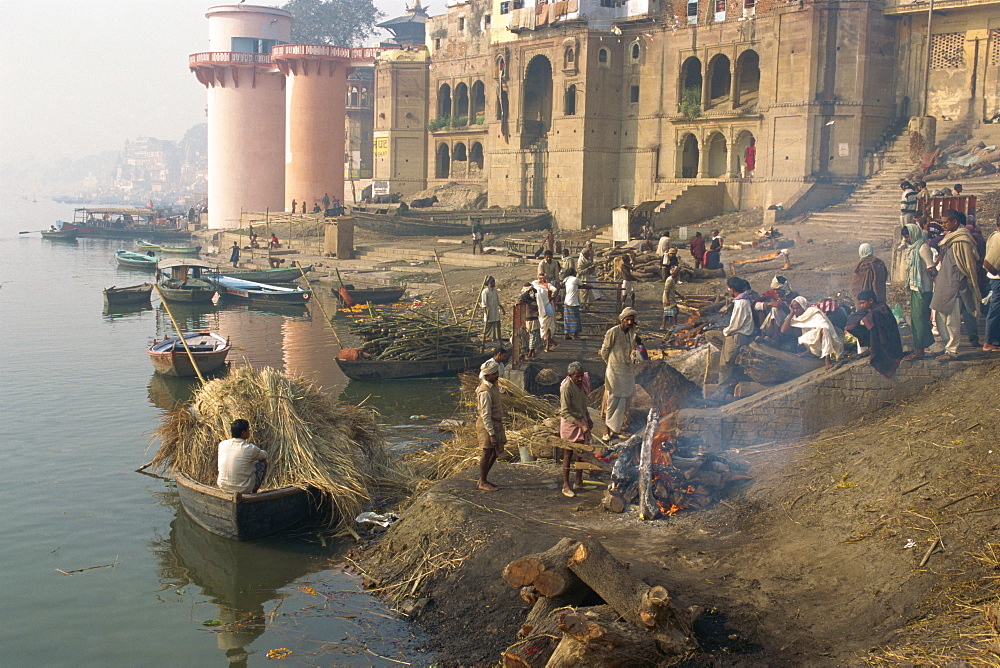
x=485 y=405
x=949 y=324
x=490 y=301
x=662 y=246
x=543 y=297
x=628 y=289
x=618 y=351
x=572 y=285
x=741 y=322
x=616 y=411
x=818 y=333
x=236 y=464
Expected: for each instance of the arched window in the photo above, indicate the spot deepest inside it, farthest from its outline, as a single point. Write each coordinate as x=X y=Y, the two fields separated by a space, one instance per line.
x=689 y=95
x=365 y=99
x=444 y=101
x=569 y=58
x=719 y=80
x=747 y=84
x=570 y=106
x=634 y=52
x=604 y=56
x=442 y=162
x=354 y=98
x=687 y=157
x=477 y=110
x=476 y=156
x=717 y=155
x=536 y=102
x=461 y=101
x=459 y=154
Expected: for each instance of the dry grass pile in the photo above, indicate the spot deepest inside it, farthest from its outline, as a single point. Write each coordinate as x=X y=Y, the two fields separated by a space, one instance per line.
x=312 y=441
x=523 y=413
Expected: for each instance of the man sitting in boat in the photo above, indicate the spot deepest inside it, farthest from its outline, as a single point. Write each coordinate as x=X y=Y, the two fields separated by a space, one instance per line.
x=242 y=465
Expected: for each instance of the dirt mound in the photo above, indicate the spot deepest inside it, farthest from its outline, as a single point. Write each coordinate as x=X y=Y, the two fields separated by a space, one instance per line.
x=817 y=561
x=453 y=195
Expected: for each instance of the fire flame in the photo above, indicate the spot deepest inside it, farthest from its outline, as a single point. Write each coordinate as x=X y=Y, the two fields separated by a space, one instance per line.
x=673 y=510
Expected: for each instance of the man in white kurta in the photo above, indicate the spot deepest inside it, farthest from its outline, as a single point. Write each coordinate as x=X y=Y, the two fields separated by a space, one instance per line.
x=242 y=465
x=618 y=351
x=489 y=300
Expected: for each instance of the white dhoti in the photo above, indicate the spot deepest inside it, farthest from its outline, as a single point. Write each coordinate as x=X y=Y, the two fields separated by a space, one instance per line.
x=616 y=412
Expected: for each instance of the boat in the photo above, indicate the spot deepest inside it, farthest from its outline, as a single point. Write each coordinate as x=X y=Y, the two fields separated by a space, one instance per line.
x=180 y=250
x=148 y=245
x=59 y=235
x=133 y=294
x=186 y=282
x=450 y=223
x=239 y=516
x=124 y=223
x=374 y=295
x=170 y=357
x=270 y=276
x=376 y=370
x=135 y=260
x=236 y=288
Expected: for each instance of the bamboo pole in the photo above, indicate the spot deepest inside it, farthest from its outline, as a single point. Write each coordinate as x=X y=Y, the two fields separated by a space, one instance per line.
x=180 y=334
x=321 y=307
x=444 y=280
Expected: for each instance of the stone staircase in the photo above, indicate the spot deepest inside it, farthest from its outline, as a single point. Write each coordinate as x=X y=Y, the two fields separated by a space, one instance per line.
x=670 y=193
x=871 y=212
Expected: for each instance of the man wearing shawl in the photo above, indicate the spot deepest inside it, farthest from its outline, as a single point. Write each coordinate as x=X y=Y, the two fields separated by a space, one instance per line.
x=737 y=334
x=818 y=334
x=771 y=308
x=874 y=325
x=991 y=262
x=870 y=274
x=697 y=248
x=917 y=261
x=489 y=421
x=618 y=352
x=489 y=300
x=575 y=424
x=956 y=284
x=713 y=256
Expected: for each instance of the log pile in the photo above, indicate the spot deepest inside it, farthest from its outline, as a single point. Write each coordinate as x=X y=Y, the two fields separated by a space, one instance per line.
x=590 y=610
x=409 y=335
x=661 y=479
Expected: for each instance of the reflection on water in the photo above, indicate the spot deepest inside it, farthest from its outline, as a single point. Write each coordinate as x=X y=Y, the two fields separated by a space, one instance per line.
x=125 y=311
x=257 y=586
x=166 y=392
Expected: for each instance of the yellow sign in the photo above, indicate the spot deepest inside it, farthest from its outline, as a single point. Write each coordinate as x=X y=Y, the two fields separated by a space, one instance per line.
x=381 y=147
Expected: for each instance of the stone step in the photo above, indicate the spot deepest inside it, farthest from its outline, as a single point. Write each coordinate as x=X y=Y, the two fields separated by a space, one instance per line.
x=455 y=258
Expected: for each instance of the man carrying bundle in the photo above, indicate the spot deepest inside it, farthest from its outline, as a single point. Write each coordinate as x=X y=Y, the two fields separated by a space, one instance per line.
x=242 y=465
x=489 y=421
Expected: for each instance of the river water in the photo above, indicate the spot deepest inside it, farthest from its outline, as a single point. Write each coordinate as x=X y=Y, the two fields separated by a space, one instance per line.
x=79 y=401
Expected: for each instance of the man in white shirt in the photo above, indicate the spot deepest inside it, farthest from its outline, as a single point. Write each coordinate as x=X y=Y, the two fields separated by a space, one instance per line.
x=738 y=333
x=242 y=465
x=544 y=292
x=907 y=203
x=571 y=305
x=663 y=244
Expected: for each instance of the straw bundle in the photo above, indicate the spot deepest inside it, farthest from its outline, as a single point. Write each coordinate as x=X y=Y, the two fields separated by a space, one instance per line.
x=522 y=411
x=311 y=440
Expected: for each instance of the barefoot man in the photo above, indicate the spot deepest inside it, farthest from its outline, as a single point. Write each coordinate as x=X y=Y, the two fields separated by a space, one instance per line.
x=489 y=421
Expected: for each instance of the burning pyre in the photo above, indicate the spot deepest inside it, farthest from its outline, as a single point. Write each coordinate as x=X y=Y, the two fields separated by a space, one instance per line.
x=652 y=471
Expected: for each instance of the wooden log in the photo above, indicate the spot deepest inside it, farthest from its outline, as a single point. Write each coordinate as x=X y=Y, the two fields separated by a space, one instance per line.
x=648 y=510
x=524 y=571
x=531 y=653
x=613 y=501
x=592 y=639
x=541 y=620
x=529 y=594
x=633 y=599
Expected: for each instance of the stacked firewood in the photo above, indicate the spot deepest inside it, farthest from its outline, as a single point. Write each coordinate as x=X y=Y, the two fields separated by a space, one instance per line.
x=409 y=335
x=661 y=479
x=645 y=266
x=589 y=609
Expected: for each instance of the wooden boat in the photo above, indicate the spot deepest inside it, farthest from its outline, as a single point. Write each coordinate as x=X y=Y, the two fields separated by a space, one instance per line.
x=243 y=516
x=171 y=359
x=451 y=223
x=123 y=223
x=269 y=276
x=135 y=260
x=235 y=288
x=376 y=370
x=148 y=245
x=185 y=283
x=180 y=250
x=380 y=295
x=59 y=235
x=133 y=294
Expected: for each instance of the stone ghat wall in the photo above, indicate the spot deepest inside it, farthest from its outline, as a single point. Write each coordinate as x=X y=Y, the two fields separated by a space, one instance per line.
x=815 y=401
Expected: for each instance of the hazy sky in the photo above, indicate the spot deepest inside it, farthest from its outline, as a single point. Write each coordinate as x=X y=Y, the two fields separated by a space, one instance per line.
x=80 y=76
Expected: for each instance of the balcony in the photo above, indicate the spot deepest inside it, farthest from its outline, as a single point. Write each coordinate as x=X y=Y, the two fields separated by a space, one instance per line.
x=899 y=7
x=228 y=58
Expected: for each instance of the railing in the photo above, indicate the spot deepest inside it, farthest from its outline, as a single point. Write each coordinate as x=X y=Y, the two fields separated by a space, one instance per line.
x=324 y=51
x=229 y=58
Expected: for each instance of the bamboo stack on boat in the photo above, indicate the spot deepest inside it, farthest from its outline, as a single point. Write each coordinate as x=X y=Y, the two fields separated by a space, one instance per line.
x=390 y=335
